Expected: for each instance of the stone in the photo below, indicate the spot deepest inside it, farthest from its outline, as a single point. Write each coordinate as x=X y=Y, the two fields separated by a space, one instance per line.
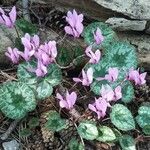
x=122 y=24
x=136 y=9
x=7 y=37
x=142 y=43
x=11 y=145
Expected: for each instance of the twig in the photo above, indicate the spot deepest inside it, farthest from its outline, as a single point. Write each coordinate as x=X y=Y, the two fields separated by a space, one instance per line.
x=7 y=76
x=71 y=64
x=79 y=135
x=12 y=126
x=17 y=31
x=26 y=15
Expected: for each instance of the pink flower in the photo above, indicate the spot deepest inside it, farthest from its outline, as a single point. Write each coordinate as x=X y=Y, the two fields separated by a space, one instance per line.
x=27 y=54
x=13 y=54
x=8 y=20
x=74 y=20
x=47 y=52
x=135 y=76
x=94 y=57
x=68 y=100
x=117 y=93
x=99 y=107
x=108 y=94
x=87 y=78
x=98 y=36
x=41 y=70
x=31 y=43
x=112 y=74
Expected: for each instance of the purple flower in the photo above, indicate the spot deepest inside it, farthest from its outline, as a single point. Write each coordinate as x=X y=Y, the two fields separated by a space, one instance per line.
x=117 y=93
x=13 y=54
x=112 y=74
x=68 y=100
x=87 y=78
x=8 y=20
x=108 y=94
x=47 y=52
x=138 y=78
x=94 y=57
x=98 y=37
x=74 y=20
x=31 y=43
x=99 y=107
x=27 y=54
x=41 y=70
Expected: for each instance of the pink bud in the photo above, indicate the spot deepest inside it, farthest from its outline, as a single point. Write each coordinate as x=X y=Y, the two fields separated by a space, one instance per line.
x=68 y=100
x=94 y=57
x=13 y=54
x=98 y=36
x=87 y=77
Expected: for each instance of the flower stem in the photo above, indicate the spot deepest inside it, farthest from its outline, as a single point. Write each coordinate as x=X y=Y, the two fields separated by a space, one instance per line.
x=17 y=31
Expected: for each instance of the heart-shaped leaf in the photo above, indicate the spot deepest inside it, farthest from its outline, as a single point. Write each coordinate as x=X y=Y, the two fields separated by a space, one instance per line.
x=26 y=27
x=127 y=143
x=55 y=122
x=105 y=134
x=127 y=92
x=143 y=118
x=122 y=118
x=75 y=145
x=43 y=87
x=88 y=130
x=16 y=99
x=107 y=32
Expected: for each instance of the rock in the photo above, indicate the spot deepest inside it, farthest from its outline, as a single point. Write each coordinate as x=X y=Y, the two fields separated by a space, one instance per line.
x=11 y=145
x=136 y=9
x=142 y=43
x=7 y=37
x=122 y=24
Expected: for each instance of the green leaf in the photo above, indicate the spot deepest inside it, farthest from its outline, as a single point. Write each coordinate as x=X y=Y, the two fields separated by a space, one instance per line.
x=122 y=118
x=69 y=55
x=121 y=55
x=54 y=75
x=127 y=143
x=64 y=57
x=55 y=122
x=105 y=134
x=75 y=145
x=25 y=132
x=16 y=99
x=44 y=90
x=143 y=118
x=18 y=44
x=43 y=87
x=127 y=92
x=26 y=27
x=88 y=130
x=107 y=32
x=146 y=129
x=34 y=122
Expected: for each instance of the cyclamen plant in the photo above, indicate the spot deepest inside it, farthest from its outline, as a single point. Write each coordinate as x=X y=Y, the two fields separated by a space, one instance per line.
x=108 y=73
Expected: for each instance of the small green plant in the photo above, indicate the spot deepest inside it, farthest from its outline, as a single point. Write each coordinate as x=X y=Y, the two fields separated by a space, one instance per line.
x=111 y=73
x=55 y=122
